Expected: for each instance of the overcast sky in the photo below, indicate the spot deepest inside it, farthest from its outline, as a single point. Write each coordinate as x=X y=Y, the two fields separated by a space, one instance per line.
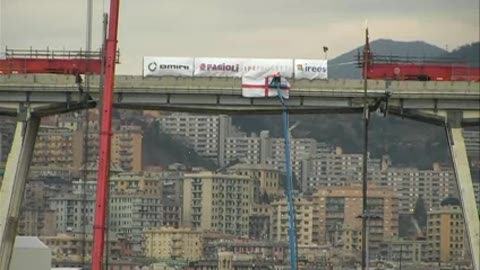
x=242 y=28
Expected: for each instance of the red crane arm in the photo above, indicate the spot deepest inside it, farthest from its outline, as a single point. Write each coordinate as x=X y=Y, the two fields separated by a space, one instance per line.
x=105 y=138
x=56 y=66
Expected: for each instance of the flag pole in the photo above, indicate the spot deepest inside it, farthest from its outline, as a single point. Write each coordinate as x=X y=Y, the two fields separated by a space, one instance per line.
x=289 y=183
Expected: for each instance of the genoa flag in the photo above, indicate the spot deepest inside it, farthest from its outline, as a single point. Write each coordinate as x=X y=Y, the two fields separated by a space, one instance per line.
x=264 y=87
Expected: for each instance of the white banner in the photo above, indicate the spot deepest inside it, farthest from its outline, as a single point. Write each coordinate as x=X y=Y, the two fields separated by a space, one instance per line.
x=262 y=87
x=218 y=67
x=167 y=66
x=266 y=67
x=234 y=67
x=310 y=69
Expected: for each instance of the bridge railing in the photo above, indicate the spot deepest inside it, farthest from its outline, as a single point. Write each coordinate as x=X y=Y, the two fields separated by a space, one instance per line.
x=55 y=54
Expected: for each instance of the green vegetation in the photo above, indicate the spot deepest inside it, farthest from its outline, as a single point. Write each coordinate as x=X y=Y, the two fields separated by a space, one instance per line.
x=469 y=54
x=407 y=142
x=160 y=149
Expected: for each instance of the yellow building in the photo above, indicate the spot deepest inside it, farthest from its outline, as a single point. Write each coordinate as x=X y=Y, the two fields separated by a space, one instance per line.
x=303 y=220
x=53 y=146
x=445 y=234
x=337 y=206
x=268 y=176
x=131 y=182
x=126 y=148
x=68 y=248
x=173 y=243
x=37 y=222
x=218 y=202
x=260 y=222
x=351 y=239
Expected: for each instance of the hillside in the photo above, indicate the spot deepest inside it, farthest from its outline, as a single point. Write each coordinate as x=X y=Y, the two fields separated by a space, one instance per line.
x=469 y=54
x=407 y=142
x=160 y=149
x=343 y=66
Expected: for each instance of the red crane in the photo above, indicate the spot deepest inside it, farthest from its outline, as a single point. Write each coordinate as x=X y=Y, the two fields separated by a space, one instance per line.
x=50 y=61
x=78 y=62
x=416 y=68
x=105 y=138
x=75 y=63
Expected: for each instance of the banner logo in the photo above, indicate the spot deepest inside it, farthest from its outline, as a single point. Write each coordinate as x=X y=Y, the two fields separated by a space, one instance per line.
x=311 y=69
x=219 y=67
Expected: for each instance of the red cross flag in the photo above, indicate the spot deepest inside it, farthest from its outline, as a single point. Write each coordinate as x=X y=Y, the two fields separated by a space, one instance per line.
x=263 y=86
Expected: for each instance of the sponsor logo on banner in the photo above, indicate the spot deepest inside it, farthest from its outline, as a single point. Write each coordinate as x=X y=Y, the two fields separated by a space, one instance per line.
x=218 y=67
x=266 y=67
x=310 y=69
x=234 y=67
x=167 y=66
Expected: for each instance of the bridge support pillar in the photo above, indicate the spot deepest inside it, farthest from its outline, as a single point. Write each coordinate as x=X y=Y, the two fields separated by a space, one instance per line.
x=13 y=186
x=465 y=188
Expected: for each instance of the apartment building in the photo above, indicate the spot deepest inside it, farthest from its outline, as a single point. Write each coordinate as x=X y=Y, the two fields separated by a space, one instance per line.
x=53 y=147
x=445 y=234
x=269 y=177
x=69 y=249
x=406 y=250
x=129 y=214
x=126 y=148
x=73 y=212
x=336 y=168
x=6 y=136
x=412 y=183
x=260 y=222
x=301 y=149
x=218 y=202
x=204 y=133
x=335 y=207
x=37 y=222
x=472 y=142
x=250 y=250
x=173 y=243
x=304 y=215
x=246 y=149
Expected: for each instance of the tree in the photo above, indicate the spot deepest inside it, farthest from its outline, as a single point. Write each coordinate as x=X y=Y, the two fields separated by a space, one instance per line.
x=420 y=213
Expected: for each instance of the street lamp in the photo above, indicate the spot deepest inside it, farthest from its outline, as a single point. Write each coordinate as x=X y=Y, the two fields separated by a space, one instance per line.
x=325 y=50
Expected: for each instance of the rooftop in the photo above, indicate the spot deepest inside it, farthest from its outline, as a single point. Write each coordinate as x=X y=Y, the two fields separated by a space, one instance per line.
x=29 y=242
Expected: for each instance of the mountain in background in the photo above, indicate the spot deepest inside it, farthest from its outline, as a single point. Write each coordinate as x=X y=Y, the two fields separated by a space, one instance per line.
x=407 y=142
x=469 y=54
x=344 y=66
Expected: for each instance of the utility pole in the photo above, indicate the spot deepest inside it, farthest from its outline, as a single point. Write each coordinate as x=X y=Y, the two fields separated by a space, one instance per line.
x=88 y=49
x=366 y=59
x=400 y=260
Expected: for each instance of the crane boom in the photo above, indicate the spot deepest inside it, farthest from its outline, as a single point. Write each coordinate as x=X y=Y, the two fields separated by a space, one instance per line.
x=105 y=138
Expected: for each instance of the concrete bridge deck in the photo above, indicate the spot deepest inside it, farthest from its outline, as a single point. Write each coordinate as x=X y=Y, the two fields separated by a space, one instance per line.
x=224 y=94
